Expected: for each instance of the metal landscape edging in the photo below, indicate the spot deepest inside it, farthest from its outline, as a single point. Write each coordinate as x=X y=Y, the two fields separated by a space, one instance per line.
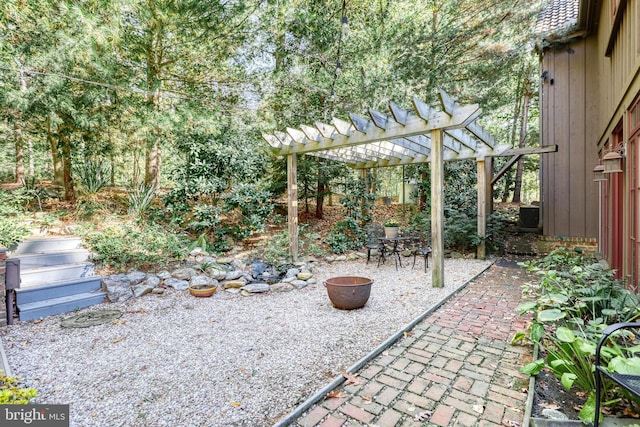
x=316 y=397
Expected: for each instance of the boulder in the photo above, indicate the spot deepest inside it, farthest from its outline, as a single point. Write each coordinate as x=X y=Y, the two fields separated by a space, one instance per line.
x=136 y=277
x=304 y=275
x=256 y=288
x=177 y=284
x=118 y=287
x=184 y=273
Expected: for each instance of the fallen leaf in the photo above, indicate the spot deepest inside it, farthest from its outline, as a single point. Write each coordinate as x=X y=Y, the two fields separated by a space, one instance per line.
x=351 y=378
x=335 y=394
x=367 y=399
x=549 y=405
x=423 y=416
x=115 y=340
x=409 y=333
x=143 y=368
x=511 y=423
x=236 y=404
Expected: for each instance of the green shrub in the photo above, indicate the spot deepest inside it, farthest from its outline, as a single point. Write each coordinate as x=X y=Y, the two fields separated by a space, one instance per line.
x=12 y=231
x=140 y=199
x=132 y=245
x=575 y=299
x=346 y=235
x=11 y=393
x=92 y=175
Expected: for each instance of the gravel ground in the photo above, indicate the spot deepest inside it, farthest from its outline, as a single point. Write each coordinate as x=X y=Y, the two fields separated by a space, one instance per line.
x=228 y=360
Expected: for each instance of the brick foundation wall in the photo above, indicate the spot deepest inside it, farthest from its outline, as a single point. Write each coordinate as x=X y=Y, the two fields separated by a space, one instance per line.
x=3 y=305
x=546 y=244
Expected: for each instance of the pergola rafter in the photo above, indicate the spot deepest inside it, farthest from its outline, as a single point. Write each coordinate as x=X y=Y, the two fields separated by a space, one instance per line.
x=423 y=134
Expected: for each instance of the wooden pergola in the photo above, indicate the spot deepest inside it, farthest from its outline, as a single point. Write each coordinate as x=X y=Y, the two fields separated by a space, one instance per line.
x=422 y=135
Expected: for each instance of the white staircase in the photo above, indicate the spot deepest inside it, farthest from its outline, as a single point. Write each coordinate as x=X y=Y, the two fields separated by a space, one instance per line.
x=56 y=277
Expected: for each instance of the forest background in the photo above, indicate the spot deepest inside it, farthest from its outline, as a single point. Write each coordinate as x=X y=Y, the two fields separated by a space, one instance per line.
x=152 y=112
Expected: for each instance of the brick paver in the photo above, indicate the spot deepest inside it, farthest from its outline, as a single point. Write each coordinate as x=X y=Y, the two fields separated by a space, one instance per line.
x=456 y=368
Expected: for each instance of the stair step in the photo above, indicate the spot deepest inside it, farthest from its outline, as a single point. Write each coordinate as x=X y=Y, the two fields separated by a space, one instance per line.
x=53 y=306
x=41 y=275
x=48 y=244
x=46 y=259
x=57 y=289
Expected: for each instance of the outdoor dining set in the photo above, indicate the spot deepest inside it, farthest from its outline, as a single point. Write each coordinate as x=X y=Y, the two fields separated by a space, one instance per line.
x=404 y=245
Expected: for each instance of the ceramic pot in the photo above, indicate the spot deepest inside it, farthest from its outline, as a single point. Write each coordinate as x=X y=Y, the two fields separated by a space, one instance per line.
x=202 y=291
x=391 y=232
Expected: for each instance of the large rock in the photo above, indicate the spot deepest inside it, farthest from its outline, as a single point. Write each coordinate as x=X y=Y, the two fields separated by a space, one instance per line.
x=235 y=284
x=151 y=280
x=118 y=287
x=304 y=275
x=216 y=272
x=184 y=273
x=282 y=287
x=136 y=277
x=177 y=284
x=141 y=289
x=292 y=272
x=256 y=288
x=202 y=280
x=299 y=284
x=233 y=275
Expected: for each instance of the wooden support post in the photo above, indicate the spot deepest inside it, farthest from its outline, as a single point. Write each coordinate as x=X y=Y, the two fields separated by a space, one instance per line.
x=292 y=198
x=437 y=209
x=482 y=208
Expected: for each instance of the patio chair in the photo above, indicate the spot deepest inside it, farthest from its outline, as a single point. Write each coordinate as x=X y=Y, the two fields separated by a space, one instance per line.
x=631 y=383
x=374 y=232
x=422 y=248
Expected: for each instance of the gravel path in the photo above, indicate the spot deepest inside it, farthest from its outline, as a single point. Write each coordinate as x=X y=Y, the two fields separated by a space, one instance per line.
x=229 y=360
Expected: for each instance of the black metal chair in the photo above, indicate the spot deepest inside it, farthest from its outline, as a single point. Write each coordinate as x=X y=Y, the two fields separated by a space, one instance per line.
x=375 y=231
x=630 y=383
x=422 y=248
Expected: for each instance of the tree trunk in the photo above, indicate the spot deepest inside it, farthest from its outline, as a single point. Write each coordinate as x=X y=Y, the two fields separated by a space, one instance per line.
x=320 y=200
x=152 y=166
x=56 y=159
x=523 y=136
x=19 y=154
x=69 y=191
x=320 y=191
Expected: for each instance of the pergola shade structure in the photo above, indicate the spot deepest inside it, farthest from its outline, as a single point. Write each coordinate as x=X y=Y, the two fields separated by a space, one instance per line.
x=423 y=134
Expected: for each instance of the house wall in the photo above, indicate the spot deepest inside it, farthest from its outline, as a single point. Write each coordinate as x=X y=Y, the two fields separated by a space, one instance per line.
x=618 y=73
x=568 y=96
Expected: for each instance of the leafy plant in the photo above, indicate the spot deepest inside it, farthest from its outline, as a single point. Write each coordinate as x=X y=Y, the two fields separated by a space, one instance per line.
x=93 y=175
x=574 y=301
x=351 y=232
x=11 y=393
x=391 y=223
x=133 y=245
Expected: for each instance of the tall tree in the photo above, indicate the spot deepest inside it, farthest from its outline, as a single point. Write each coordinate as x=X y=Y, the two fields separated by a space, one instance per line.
x=176 y=50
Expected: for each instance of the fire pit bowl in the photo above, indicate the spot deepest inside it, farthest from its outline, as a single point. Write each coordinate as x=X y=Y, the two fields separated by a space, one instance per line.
x=348 y=292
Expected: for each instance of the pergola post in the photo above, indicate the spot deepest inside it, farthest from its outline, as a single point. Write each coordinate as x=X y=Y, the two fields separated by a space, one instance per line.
x=437 y=209
x=292 y=200
x=482 y=208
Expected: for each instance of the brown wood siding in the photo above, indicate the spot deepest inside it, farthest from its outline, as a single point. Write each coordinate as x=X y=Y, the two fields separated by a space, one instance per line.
x=618 y=74
x=569 y=199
